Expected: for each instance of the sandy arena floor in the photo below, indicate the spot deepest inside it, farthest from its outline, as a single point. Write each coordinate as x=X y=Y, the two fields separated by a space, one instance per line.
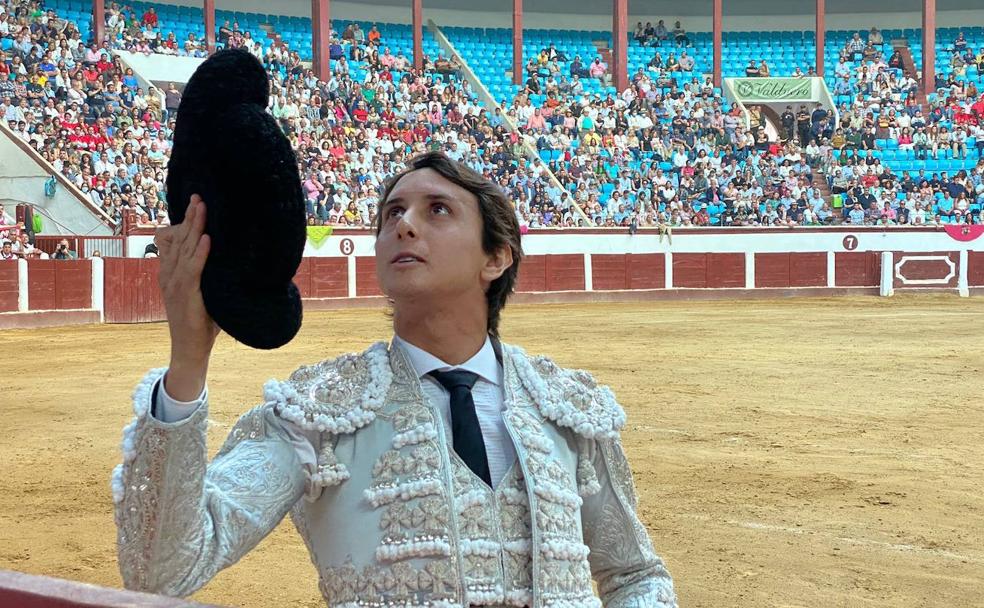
x=788 y=453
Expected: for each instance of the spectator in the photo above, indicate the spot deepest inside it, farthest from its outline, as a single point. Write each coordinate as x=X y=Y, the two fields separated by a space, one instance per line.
x=856 y=215
x=686 y=62
x=7 y=252
x=597 y=69
x=225 y=33
x=22 y=246
x=960 y=43
x=63 y=252
x=680 y=35
x=855 y=47
x=150 y=18
x=172 y=99
x=875 y=37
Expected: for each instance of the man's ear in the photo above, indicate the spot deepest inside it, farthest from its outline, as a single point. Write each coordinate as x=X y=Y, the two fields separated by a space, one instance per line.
x=497 y=263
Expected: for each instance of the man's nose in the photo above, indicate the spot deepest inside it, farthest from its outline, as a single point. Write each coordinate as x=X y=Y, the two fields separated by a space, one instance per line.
x=405 y=228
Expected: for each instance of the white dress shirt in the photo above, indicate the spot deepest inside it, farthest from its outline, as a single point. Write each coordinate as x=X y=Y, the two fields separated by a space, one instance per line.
x=487 y=393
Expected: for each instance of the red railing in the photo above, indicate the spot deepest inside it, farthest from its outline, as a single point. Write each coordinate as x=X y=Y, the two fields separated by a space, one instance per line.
x=84 y=246
x=29 y=591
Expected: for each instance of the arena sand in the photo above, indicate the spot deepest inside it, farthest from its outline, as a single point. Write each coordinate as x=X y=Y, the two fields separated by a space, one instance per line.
x=787 y=453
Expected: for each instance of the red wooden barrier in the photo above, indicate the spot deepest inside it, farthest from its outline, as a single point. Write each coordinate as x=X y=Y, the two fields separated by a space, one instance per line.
x=329 y=277
x=59 y=284
x=708 y=270
x=564 y=272
x=609 y=271
x=303 y=278
x=926 y=269
x=791 y=269
x=8 y=286
x=19 y=590
x=132 y=294
x=628 y=271
x=365 y=277
x=857 y=268
x=645 y=270
x=975 y=268
x=532 y=274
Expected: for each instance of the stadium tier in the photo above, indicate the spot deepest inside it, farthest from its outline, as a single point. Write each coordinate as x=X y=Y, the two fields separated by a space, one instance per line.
x=669 y=150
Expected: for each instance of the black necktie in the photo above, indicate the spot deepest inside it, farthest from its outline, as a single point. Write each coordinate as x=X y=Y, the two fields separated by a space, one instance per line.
x=465 y=430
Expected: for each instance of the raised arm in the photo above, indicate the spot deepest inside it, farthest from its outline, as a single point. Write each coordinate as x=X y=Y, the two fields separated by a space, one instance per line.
x=179 y=519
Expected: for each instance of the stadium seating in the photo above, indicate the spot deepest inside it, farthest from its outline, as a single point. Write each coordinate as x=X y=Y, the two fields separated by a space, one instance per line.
x=618 y=184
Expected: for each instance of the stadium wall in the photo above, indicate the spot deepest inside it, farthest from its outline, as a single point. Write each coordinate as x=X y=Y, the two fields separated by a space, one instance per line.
x=783 y=18
x=575 y=266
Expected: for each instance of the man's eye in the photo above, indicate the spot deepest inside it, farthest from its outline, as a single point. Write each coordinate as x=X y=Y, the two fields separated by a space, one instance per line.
x=440 y=208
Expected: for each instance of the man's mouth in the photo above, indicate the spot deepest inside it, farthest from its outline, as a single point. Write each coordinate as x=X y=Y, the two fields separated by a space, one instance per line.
x=406 y=258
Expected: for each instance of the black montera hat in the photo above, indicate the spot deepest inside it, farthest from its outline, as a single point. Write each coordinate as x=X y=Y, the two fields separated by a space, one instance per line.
x=229 y=150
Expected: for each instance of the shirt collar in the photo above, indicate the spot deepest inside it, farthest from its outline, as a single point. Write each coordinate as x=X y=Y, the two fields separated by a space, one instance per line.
x=482 y=363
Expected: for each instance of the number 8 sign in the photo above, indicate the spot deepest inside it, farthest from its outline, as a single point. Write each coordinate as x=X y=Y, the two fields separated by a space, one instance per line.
x=346 y=246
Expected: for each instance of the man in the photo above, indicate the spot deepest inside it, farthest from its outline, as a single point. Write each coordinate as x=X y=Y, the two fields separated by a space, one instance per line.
x=803 y=125
x=856 y=215
x=788 y=120
x=686 y=62
x=23 y=247
x=63 y=252
x=7 y=252
x=150 y=18
x=445 y=469
x=225 y=32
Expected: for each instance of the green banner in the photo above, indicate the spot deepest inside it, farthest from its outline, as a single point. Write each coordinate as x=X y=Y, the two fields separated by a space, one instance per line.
x=318 y=235
x=773 y=89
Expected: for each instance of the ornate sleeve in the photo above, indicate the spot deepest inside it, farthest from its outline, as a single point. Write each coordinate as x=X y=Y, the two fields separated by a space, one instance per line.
x=628 y=571
x=180 y=519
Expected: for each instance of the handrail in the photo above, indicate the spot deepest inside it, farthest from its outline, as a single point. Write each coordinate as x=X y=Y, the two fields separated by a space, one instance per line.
x=487 y=97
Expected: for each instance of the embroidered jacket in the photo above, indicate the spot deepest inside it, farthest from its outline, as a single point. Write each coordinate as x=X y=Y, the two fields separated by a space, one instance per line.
x=389 y=513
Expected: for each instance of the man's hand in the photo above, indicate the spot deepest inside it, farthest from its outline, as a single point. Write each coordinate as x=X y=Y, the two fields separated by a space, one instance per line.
x=183 y=250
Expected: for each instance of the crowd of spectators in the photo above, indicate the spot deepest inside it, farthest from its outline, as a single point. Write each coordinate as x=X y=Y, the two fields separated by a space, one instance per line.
x=88 y=116
x=660 y=153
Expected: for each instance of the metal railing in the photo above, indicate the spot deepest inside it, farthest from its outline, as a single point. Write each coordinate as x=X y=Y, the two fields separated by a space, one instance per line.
x=84 y=246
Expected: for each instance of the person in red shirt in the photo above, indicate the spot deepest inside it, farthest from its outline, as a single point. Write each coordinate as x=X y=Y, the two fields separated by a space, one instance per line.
x=150 y=17
x=702 y=217
x=90 y=73
x=104 y=64
x=978 y=109
x=384 y=130
x=406 y=135
x=869 y=179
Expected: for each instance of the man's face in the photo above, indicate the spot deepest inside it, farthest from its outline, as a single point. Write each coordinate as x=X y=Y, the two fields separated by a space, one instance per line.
x=429 y=246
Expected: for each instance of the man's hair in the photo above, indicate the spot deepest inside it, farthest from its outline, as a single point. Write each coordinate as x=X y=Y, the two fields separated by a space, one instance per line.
x=499 y=224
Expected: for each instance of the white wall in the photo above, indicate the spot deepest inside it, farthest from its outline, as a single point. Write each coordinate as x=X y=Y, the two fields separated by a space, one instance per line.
x=503 y=18
x=160 y=68
x=777 y=240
